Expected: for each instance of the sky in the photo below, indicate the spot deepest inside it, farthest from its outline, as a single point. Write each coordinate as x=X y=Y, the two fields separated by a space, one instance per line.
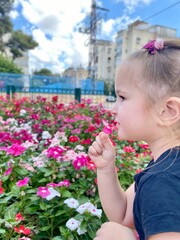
x=55 y=25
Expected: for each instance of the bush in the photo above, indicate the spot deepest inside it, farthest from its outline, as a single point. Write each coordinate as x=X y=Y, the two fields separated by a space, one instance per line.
x=48 y=184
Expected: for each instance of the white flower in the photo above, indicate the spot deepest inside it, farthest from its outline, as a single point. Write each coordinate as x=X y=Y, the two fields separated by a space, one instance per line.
x=84 y=207
x=23 y=112
x=73 y=224
x=53 y=193
x=46 y=135
x=71 y=202
x=96 y=212
x=81 y=231
x=79 y=147
x=89 y=207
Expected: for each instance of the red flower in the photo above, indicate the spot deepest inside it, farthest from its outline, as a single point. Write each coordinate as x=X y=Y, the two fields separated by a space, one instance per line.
x=73 y=139
x=55 y=99
x=86 y=141
x=1 y=190
x=129 y=149
x=19 y=217
x=22 y=229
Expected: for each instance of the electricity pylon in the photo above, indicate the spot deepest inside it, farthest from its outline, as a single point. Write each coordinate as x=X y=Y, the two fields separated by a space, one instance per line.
x=95 y=16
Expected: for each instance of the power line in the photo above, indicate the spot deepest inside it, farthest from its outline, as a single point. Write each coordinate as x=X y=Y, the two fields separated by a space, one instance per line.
x=163 y=10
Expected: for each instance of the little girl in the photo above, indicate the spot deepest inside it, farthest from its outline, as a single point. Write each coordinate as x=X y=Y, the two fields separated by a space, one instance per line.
x=147 y=108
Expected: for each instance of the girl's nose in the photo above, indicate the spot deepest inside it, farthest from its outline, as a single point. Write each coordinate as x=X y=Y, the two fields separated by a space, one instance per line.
x=114 y=108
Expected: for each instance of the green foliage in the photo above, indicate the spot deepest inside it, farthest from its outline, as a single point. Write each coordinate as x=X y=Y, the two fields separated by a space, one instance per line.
x=43 y=72
x=32 y=135
x=5 y=6
x=8 y=66
x=20 y=42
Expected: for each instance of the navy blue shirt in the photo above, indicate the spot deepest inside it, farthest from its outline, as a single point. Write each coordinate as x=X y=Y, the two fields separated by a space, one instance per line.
x=157 y=199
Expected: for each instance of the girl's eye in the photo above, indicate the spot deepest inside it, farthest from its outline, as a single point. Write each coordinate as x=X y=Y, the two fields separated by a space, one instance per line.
x=121 y=98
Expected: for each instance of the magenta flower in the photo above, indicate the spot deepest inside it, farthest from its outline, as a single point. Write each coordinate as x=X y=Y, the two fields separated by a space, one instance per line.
x=8 y=171
x=55 y=152
x=65 y=183
x=43 y=192
x=51 y=184
x=79 y=162
x=22 y=182
x=16 y=149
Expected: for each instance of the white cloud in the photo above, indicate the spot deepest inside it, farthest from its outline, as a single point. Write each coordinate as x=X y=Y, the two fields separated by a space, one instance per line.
x=54 y=24
x=112 y=26
x=132 y=4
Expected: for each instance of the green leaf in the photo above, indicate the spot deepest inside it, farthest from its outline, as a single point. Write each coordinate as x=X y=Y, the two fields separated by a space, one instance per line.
x=45 y=228
x=21 y=171
x=48 y=173
x=2 y=231
x=66 y=193
x=43 y=205
x=11 y=212
x=42 y=180
x=5 y=200
x=58 y=238
x=60 y=212
x=2 y=221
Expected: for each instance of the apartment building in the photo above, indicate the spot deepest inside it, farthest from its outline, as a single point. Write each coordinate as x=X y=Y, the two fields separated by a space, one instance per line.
x=137 y=35
x=105 y=61
x=79 y=72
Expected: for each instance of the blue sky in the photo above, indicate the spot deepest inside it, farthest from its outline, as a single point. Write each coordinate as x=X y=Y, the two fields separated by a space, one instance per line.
x=54 y=24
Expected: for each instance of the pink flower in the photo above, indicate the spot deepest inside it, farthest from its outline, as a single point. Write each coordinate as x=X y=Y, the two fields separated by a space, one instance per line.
x=51 y=185
x=8 y=171
x=22 y=182
x=16 y=149
x=55 y=152
x=43 y=192
x=65 y=183
x=79 y=162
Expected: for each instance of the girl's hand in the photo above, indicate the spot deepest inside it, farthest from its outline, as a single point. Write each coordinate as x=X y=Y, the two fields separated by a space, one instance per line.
x=114 y=231
x=102 y=152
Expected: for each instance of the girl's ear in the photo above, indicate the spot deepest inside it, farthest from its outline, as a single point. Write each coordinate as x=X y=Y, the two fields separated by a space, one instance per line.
x=170 y=114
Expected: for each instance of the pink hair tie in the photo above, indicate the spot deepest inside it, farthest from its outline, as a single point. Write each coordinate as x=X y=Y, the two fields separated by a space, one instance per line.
x=154 y=45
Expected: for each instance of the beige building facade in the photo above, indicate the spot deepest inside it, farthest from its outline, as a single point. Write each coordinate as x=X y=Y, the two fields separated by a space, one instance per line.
x=137 y=35
x=105 y=61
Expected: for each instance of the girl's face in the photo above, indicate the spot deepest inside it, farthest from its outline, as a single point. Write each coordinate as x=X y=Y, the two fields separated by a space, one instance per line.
x=135 y=121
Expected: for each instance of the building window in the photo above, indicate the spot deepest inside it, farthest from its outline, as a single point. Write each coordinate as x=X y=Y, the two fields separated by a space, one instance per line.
x=109 y=50
x=109 y=69
x=109 y=59
x=138 y=40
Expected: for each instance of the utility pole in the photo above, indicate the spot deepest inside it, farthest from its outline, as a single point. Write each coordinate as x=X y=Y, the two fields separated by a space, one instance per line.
x=92 y=31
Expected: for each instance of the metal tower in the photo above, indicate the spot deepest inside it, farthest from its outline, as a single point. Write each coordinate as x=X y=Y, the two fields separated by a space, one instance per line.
x=95 y=16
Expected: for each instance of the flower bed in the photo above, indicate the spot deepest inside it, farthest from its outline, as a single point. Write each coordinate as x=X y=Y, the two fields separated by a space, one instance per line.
x=48 y=187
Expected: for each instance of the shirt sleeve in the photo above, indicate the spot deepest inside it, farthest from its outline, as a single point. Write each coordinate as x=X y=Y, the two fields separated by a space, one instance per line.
x=160 y=204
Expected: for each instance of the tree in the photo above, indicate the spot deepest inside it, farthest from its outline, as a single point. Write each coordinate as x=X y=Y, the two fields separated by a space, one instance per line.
x=5 y=22
x=44 y=72
x=18 y=42
x=8 y=66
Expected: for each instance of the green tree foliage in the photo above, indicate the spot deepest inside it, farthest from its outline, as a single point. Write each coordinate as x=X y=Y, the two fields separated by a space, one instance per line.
x=18 y=42
x=8 y=66
x=44 y=72
x=5 y=6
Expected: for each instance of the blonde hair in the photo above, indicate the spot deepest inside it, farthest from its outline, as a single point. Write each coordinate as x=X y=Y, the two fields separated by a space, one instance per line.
x=160 y=71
